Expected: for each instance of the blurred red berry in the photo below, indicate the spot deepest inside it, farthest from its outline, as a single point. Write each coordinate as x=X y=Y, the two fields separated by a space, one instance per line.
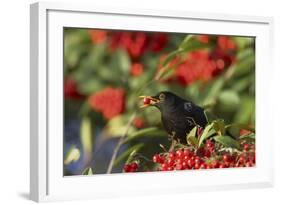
x=226 y=43
x=244 y=132
x=138 y=122
x=197 y=66
x=216 y=164
x=70 y=89
x=98 y=36
x=127 y=168
x=246 y=147
x=109 y=101
x=136 y=69
x=133 y=42
x=242 y=159
x=131 y=167
x=222 y=60
x=165 y=167
x=227 y=158
x=203 y=166
x=134 y=166
x=158 y=41
x=203 y=38
x=210 y=145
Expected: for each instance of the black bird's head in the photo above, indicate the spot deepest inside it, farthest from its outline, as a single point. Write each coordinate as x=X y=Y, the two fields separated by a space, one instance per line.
x=164 y=100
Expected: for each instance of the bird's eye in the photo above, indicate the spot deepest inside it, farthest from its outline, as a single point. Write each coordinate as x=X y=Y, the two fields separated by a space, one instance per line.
x=162 y=96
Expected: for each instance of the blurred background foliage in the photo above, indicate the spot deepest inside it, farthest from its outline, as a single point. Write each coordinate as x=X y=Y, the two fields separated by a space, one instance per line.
x=105 y=71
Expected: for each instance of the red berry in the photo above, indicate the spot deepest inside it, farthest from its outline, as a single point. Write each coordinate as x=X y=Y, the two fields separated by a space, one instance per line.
x=146 y=101
x=179 y=167
x=209 y=166
x=187 y=153
x=157 y=159
x=134 y=166
x=207 y=153
x=184 y=165
x=172 y=155
x=136 y=69
x=198 y=160
x=180 y=153
x=249 y=164
x=185 y=158
x=190 y=163
x=242 y=159
x=127 y=168
x=203 y=166
x=222 y=166
x=227 y=158
x=246 y=147
x=197 y=166
x=210 y=145
x=215 y=164
x=164 y=167
x=170 y=162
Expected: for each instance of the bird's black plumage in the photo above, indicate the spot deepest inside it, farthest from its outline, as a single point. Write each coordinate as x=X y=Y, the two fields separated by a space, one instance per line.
x=179 y=116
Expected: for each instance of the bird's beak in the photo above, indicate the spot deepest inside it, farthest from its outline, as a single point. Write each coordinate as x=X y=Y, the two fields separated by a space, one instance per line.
x=153 y=101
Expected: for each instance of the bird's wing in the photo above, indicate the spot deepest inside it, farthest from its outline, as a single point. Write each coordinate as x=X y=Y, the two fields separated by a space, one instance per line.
x=194 y=114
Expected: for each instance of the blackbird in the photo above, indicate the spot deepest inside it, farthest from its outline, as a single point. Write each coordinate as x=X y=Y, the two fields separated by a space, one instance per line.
x=179 y=116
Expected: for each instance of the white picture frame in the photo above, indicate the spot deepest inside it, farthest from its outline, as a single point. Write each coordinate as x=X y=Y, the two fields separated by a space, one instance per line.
x=47 y=182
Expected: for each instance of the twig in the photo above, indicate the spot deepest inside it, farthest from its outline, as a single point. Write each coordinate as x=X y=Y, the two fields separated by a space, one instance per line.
x=119 y=144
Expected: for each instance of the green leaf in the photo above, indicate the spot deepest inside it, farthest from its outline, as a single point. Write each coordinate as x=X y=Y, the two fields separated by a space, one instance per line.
x=123 y=60
x=212 y=91
x=227 y=141
x=241 y=126
x=248 y=137
x=129 y=153
x=246 y=112
x=245 y=63
x=219 y=126
x=97 y=54
x=147 y=132
x=86 y=135
x=170 y=57
x=208 y=132
x=72 y=155
x=87 y=171
x=228 y=100
x=191 y=137
x=186 y=41
x=193 y=45
x=117 y=126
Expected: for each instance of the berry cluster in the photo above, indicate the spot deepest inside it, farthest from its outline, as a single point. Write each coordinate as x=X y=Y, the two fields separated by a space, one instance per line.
x=132 y=167
x=71 y=90
x=202 y=65
x=204 y=158
x=109 y=101
x=98 y=36
x=207 y=157
x=136 y=43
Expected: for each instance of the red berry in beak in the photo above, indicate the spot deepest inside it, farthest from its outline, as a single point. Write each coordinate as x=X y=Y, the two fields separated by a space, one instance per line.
x=146 y=101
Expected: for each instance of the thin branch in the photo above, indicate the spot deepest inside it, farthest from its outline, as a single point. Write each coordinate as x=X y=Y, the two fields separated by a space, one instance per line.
x=119 y=144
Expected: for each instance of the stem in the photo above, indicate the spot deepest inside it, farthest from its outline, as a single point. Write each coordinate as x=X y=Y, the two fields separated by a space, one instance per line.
x=120 y=142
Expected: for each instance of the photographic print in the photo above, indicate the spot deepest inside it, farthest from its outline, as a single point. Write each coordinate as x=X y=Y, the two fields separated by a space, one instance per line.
x=137 y=101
